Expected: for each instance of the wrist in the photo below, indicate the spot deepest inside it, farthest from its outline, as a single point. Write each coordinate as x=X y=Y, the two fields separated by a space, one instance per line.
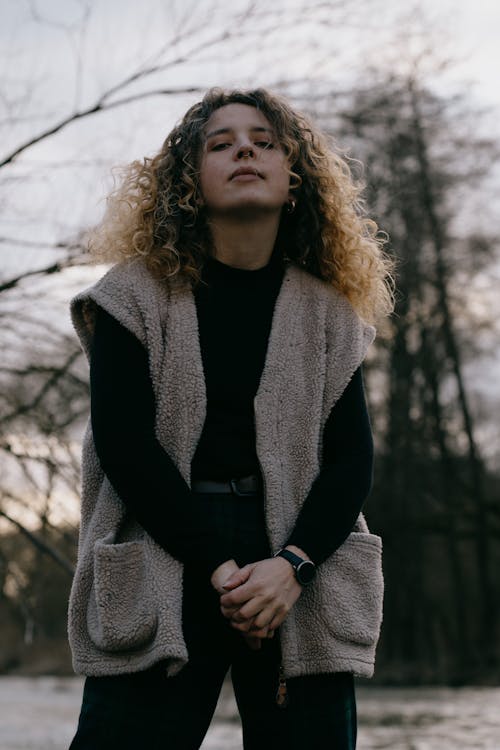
x=304 y=569
x=297 y=551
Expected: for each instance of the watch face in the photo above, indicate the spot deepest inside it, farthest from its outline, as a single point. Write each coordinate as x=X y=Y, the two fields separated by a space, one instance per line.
x=306 y=572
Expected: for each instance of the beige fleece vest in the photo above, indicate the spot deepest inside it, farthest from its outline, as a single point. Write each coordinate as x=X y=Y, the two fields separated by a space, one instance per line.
x=126 y=600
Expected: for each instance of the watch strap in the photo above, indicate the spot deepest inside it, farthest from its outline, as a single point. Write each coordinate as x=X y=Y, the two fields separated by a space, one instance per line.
x=292 y=558
x=298 y=563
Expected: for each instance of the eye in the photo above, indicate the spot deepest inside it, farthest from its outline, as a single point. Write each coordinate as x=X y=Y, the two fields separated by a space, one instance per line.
x=220 y=146
x=264 y=144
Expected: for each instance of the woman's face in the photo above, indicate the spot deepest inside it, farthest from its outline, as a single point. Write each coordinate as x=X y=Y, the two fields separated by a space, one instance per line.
x=243 y=169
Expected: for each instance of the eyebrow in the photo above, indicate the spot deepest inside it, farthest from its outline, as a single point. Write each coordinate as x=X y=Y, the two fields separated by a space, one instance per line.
x=254 y=129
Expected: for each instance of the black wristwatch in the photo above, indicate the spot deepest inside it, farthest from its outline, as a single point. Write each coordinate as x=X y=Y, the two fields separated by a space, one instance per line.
x=305 y=570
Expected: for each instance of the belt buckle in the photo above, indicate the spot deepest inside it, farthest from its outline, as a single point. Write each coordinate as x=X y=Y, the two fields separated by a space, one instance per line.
x=236 y=491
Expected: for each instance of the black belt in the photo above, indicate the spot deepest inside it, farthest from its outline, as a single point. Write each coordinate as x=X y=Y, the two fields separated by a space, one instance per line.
x=251 y=485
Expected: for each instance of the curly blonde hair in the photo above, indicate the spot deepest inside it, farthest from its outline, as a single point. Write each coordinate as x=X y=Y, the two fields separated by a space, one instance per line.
x=156 y=211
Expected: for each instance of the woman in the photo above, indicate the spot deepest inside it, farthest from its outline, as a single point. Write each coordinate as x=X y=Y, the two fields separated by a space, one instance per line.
x=229 y=450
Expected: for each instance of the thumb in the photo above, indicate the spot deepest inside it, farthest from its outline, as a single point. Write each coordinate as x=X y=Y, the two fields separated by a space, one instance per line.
x=238 y=577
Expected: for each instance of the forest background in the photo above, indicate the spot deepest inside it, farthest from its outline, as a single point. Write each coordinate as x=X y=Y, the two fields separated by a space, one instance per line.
x=408 y=92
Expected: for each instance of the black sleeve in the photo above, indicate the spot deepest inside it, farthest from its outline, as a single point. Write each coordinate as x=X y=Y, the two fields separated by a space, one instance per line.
x=141 y=472
x=344 y=482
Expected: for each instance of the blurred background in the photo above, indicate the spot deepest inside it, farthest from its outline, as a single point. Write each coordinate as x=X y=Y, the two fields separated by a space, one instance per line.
x=410 y=91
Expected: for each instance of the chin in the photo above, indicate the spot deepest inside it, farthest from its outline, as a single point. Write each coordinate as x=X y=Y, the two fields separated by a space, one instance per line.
x=251 y=209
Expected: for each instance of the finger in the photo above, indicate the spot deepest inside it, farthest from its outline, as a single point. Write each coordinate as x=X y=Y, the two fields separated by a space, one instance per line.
x=232 y=609
x=229 y=611
x=238 y=578
x=237 y=597
x=222 y=573
x=276 y=621
x=262 y=621
x=244 y=627
x=259 y=632
x=249 y=610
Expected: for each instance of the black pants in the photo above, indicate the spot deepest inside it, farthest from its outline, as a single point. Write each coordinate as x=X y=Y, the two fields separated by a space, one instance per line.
x=152 y=711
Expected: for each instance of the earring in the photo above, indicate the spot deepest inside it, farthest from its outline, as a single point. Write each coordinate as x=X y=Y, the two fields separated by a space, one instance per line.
x=290 y=205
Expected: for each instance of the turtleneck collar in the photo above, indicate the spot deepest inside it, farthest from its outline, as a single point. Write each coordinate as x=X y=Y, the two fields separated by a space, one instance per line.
x=215 y=269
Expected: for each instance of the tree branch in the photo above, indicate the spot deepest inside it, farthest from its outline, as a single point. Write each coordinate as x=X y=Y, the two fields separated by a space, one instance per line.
x=42 y=546
x=47 y=271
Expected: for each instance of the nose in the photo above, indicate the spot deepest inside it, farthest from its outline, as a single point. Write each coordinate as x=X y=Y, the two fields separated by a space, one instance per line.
x=245 y=150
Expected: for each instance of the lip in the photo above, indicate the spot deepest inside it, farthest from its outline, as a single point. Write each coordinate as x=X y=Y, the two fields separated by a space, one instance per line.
x=245 y=172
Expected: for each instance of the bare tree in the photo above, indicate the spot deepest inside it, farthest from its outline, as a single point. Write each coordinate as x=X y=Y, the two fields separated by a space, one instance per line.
x=432 y=504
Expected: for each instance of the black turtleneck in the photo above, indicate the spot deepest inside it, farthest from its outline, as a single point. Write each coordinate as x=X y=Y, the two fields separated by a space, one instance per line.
x=234 y=320
x=234 y=311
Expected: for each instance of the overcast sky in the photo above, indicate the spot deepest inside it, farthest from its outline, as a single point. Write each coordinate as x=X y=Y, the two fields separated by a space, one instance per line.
x=474 y=27
x=58 y=56
x=468 y=30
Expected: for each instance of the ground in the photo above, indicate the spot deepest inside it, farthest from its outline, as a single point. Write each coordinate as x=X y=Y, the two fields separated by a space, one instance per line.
x=41 y=713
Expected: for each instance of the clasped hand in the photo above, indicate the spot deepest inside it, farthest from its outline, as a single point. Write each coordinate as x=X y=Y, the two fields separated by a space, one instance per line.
x=257 y=597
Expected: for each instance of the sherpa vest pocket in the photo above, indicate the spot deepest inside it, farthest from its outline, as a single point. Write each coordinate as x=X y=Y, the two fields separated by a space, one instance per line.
x=121 y=615
x=351 y=589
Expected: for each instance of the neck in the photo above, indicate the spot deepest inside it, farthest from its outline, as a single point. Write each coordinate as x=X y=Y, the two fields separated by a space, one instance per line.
x=244 y=243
